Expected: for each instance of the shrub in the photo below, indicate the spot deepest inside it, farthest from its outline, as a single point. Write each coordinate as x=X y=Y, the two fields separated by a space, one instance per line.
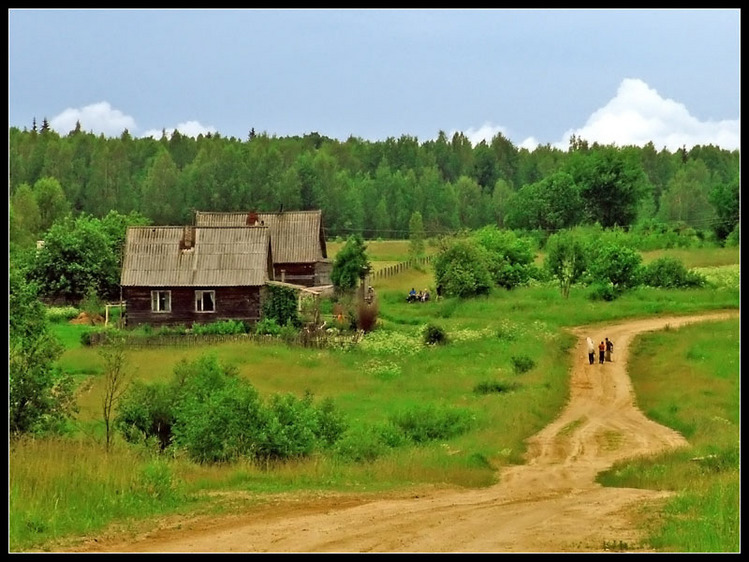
x=602 y=292
x=221 y=328
x=367 y=315
x=522 y=364
x=462 y=270
x=280 y=304
x=670 y=273
x=213 y=415
x=615 y=264
x=434 y=335
x=267 y=327
x=62 y=313
x=494 y=387
x=146 y=413
x=360 y=445
x=426 y=423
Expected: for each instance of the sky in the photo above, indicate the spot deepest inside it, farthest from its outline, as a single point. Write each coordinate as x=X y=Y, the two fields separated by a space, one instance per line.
x=537 y=76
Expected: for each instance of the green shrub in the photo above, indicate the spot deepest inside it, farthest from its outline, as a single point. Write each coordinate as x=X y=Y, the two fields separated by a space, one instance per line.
x=214 y=415
x=288 y=333
x=494 y=387
x=360 y=445
x=146 y=414
x=426 y=423
x=62 y=313
x=221 y=328
x=670 y=273
x=522 y=364
x=602 y=292
x=462 y=270
x=434 y=335
x=280 y=304
x=267 y=327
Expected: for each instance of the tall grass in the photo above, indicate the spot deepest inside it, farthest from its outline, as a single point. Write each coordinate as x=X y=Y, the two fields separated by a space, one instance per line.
x=62 y=486
x=688 y=379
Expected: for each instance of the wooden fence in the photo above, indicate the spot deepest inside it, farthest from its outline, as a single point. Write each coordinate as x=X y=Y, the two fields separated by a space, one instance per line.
x=391 y=270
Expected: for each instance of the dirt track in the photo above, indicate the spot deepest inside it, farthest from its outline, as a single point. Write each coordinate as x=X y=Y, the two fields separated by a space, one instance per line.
x=549 y=504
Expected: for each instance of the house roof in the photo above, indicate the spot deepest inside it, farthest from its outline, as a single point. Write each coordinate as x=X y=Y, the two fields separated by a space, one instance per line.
x=295 y=236
x=194 y=256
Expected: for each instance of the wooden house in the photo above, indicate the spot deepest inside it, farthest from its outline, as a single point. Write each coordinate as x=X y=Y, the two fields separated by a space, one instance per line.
x=297 y=238
x=175 y=275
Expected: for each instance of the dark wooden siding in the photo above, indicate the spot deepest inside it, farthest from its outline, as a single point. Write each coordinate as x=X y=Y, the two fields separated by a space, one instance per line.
x=295 y=273
x=232 y=303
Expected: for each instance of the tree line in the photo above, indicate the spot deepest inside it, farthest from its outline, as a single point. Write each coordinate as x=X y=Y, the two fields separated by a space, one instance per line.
x=368 y=188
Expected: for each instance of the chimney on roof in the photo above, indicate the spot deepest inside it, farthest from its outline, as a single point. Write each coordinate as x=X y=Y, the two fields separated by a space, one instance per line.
x=252 y=218
x=188 y=238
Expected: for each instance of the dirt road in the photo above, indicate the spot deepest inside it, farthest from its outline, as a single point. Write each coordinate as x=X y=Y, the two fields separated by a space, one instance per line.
x=549 y=504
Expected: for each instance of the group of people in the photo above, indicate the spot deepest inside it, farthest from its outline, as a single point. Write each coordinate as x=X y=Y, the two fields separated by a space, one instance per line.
x=605 y=349
x=421 y=296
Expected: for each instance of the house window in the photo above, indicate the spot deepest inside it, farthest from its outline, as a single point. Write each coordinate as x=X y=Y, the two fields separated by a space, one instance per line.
x=161 y=301
x=205 y=301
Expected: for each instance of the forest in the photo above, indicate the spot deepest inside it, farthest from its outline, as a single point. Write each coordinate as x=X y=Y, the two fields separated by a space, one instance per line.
x=370 y=188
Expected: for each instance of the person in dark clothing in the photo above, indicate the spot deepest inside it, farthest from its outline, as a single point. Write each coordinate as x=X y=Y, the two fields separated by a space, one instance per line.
x=609 y=349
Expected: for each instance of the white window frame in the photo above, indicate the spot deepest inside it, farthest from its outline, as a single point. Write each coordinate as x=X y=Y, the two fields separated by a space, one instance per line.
x=200 y=301
x=156 y=301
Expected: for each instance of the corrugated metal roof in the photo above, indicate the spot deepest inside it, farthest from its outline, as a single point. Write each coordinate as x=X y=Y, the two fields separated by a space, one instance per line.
x=220 y=257
x=295 y=236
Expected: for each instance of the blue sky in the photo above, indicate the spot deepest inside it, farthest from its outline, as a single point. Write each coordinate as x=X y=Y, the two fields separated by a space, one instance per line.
x=537 y=76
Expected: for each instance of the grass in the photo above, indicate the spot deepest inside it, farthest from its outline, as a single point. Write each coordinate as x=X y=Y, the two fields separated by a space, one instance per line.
x=66 y=487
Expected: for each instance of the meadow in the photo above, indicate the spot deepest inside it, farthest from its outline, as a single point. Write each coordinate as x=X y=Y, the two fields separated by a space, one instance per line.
x=65 y=487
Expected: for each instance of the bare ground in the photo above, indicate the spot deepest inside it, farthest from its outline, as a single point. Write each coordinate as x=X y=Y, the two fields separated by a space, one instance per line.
x=550 y=504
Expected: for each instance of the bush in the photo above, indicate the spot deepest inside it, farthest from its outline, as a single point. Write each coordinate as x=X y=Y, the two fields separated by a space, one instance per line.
x=462 y=270
x=522 y=364
x=62 y=313
x=367 y=315
x=267 y=327
x=212 y=414
x=670 y=273
x=494 y=387
x=434 y=335
x=602 y=292
x=360 y=445
x=428 y=422
x=221 y=328
x=280 y=304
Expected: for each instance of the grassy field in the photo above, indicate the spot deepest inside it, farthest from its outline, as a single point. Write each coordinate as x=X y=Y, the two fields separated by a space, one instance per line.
x=60 y=487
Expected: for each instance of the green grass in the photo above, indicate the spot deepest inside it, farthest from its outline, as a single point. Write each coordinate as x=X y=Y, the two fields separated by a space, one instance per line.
x=688 y=379
x=67 y=487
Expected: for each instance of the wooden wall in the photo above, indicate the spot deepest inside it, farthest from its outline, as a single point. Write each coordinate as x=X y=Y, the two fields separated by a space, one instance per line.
x=232 y=303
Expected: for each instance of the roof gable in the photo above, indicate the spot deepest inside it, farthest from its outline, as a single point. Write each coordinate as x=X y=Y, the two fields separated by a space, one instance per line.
x=296 y=236
x=176 y=256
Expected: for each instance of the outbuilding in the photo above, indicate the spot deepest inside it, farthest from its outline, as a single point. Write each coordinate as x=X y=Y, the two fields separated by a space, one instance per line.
x=299 y=250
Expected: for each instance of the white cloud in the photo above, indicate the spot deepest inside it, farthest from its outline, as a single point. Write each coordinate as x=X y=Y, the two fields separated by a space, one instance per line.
x=98 y=118
x=486 y=132
x=101 y=118
x=638 y=115
x=188 y=129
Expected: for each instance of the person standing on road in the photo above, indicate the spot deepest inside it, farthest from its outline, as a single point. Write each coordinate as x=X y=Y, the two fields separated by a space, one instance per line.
x=591 y=351
x=601 y=352
x=609 y=349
